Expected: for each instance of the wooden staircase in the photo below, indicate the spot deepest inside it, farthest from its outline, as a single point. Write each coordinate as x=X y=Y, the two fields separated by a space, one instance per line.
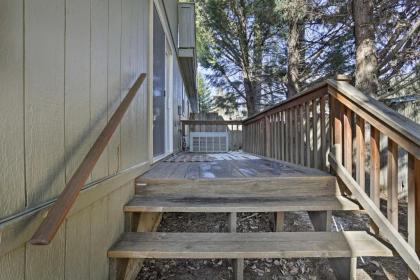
x=318 y=195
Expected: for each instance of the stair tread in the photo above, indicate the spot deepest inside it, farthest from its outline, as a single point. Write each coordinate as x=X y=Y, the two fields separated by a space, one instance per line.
x=188 y=203
x=248 y=245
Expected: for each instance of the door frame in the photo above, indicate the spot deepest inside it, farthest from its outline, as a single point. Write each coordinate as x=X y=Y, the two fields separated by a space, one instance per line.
x=169 y=60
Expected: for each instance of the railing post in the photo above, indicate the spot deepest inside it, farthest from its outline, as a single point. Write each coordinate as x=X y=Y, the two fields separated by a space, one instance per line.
x=267 y=137
x=413 y=206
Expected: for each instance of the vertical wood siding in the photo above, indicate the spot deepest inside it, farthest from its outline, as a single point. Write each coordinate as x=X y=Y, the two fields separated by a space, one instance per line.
x=12 y=175
x=64 y=67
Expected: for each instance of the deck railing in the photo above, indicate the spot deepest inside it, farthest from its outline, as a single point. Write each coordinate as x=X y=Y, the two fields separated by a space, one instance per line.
x=56 y=215
x=326 y=127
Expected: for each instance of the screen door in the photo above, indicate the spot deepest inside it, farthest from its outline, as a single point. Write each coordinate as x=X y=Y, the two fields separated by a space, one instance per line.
x=158 y=86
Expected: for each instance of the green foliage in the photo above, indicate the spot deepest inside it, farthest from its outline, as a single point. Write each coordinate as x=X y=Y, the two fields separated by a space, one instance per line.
x=205 y=100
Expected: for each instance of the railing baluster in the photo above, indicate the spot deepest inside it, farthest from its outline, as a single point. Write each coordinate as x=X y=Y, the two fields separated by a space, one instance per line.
x=296 y=135
x=375 y=165
x=282 y=135
x=323 y=134
x=347 y=141
x=315 y=133
x=301 y=136
x=338 y=132
x=360 y=151
x=308 y=134
x=413 y=222
x=392 y=183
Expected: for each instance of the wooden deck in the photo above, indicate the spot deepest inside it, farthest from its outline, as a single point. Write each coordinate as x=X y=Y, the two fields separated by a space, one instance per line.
x=225 y=165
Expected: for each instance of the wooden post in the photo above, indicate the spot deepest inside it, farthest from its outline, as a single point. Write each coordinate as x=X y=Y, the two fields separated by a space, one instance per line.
x=238 y=264
x=338 y=130
x=414 y=206
x=267 y=137
x=347 y=143
x=323 y=134
x=360 y=154
x=392 y=183
x=375 y=167
x=308 y=134
x=321 y=220
x=279 y=221
x=315 y=132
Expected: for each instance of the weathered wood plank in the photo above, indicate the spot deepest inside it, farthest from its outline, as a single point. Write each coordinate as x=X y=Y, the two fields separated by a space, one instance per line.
x=401 y=130
x=347 y=140
x=375 y=165
x=248 y=245
x=315 y=133
x=386 y=228
x=184 y=202
x=338 y=131
x=308 y=133
x=413 y=206
x=360 y=151
x=392 y=183
x=12 y=176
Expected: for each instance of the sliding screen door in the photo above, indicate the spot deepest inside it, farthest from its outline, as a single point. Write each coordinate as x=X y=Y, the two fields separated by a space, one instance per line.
x=159 y=44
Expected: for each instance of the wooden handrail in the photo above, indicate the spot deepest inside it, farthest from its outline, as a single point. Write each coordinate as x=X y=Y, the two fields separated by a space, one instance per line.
x=308 y=127
x=56 y=215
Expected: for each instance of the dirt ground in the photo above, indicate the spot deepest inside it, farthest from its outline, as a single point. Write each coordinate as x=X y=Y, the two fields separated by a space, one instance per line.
x=269 y=269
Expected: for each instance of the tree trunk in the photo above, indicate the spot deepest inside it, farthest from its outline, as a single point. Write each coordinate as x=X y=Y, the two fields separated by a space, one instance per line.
x=294 y=56
x=366 y=58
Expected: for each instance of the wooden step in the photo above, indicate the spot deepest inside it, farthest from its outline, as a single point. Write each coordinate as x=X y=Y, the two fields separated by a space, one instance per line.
x=263 y=187
x=248 y=245
x=226 y=204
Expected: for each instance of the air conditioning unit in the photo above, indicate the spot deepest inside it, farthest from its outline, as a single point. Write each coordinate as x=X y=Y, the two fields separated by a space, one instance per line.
x=209 y=142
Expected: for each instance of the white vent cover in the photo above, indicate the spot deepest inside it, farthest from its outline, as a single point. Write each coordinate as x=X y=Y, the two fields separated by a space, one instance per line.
x=208 y=142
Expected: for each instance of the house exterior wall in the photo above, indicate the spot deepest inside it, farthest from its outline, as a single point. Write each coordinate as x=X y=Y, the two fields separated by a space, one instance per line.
x=65 y=66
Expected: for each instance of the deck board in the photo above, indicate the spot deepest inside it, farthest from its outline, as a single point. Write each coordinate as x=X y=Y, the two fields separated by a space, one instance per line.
x=248 y=245
x=225 y=165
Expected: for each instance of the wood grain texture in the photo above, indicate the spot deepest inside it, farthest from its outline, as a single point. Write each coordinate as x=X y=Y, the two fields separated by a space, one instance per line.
x=44 y=99
x=406 y=252
x=12 y=265
x=375 y=166
x=99 y=79
x=392 y=183
x=248 y=245
x=12 y=177
x=402 y=130
x=360 y=152
x=413 y=206
x=183 y=202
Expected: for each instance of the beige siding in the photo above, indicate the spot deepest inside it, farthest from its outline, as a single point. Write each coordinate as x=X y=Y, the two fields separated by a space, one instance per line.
x=12 y=265
x=77 y=86
x=46 y=262
x=77 y=259
x=11 y=108
x=65 y=66
x=44 y=99
x=99 y=77
x=114 y=81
